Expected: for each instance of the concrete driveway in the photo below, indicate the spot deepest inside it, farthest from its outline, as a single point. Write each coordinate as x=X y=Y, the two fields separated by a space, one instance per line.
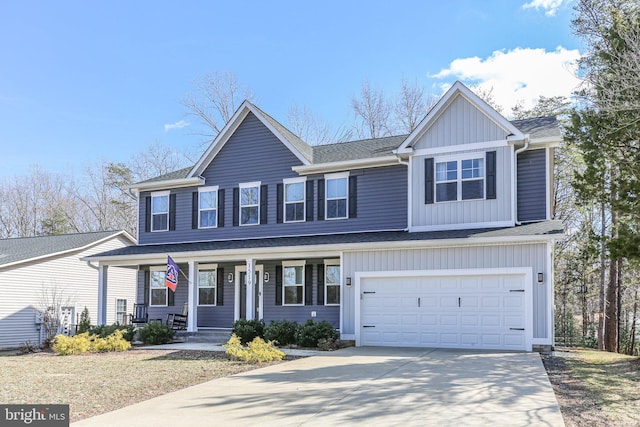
x=365 y=386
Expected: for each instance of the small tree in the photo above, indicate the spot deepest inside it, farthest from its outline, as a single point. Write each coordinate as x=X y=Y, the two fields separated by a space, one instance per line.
x=53 y=300
x=85 y=321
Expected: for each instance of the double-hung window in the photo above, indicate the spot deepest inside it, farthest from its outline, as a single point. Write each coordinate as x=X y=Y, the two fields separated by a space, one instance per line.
x=208 y=207
x=336 y=198
x=459 y=179
x=207 y=284
x=160 y=211
x=294 y=199
x=332 y=282
x=250 y=203
x=158 y=286
x=121 y=311
x=293 y=283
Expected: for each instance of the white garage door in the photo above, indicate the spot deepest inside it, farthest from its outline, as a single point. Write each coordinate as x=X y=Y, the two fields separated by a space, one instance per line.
x=463 y=311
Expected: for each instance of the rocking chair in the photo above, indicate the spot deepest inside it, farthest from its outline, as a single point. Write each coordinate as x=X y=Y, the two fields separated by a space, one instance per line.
x=178 y=321
x=140 y=314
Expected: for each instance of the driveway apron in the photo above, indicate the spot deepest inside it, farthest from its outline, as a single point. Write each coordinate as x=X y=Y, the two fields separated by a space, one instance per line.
x=363 y=386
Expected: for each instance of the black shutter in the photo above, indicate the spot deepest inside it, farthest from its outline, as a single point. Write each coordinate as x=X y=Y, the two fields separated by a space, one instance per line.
x=353 y=197
x=171 y=297
x=220 y=287
x=147 y=284
x=278 y=285
x=220 y=212
x=147 y=214
x=279 y=203
x=236 y=206
x=309 y=201
x=428 y=181
x=320 y=284
x=264 y=199
x=308 y=284
x=491 y=175
x=194 y=210
x=320 y=199
x=172 y=212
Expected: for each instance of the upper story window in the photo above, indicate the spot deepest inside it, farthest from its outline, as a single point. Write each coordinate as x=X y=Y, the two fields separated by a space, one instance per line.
x=208 y=207
x=207 y=284
x=336 y=199
x=459 y=179
x=158 y=287
x=250 y=203
x=293 y=283
x=294 y=199
x=160 y=211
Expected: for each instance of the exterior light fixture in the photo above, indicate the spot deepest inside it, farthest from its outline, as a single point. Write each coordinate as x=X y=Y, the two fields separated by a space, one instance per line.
x=348 y=281
x=540 y=278
x=230 y=277
x=266 y=277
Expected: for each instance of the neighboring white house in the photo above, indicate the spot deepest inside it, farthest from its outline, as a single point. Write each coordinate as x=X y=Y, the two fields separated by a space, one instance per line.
x=32 y=269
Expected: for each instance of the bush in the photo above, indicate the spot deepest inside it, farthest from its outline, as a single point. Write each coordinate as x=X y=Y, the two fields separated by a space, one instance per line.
x=156 y=333
x=85 y=321
x=281 y=332
x=103 y=331
x=258 y=350
x=248 y=330
x=329 y=344
x=113 y=342
x=64 y=345
x=311 y=332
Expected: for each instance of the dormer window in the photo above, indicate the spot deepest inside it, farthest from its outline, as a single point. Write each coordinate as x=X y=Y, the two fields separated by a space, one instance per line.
x=459 y=179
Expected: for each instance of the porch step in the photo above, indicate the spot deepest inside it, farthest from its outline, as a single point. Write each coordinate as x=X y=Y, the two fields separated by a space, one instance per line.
x=214 y=336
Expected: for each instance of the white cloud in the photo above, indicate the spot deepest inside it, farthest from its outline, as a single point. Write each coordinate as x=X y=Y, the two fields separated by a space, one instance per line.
x=176 y=125
x=518 y=75
x=551 y=6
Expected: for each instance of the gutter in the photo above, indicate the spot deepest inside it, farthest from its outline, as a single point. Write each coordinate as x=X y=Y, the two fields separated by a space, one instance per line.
x=515 y=184
x=171 y=183
x=345 y=164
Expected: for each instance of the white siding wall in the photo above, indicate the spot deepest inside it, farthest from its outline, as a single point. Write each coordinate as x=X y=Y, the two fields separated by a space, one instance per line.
x=21 y=290
x=496 y=256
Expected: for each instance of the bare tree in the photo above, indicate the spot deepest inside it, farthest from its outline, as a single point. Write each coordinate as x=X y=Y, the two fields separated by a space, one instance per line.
x=411 y=106
x=487 y=96
x=158 y=159
x=313 y=129
x=53 y=301
x=372 y=113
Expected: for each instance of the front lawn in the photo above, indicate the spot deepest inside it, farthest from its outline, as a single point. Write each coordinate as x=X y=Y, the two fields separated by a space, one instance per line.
x=96 y=383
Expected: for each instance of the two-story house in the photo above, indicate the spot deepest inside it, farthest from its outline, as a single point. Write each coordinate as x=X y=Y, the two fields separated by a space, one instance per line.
x=439 y=238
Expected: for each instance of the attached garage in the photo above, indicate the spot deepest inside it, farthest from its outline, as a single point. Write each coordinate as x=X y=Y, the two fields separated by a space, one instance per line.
x=477 y=309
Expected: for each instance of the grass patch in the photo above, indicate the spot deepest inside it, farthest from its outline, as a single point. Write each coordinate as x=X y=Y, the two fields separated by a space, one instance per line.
x=613 y=380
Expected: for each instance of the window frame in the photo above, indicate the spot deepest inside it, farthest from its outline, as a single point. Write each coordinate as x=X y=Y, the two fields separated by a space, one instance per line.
x=330 y=177
x=332 y=263
x=242 y=186
x=294 y=264
x=123 y=313
x=289 y=181
x=211 y=189
x=459 y=180
x=163 y=270
x=157 y=194
x=208 y=267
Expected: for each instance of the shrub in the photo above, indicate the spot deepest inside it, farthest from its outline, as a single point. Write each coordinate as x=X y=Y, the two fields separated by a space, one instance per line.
x=113 y=342
x=281 y=332
x=258 y=350
x=329 y=344
x=64 y=345
x=85 y=321
x=156 y=333
x=311 y=331
x=248 y=330
x=103 y=331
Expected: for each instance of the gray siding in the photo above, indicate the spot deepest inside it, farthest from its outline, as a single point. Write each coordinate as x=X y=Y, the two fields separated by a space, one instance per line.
x=253 y=153
x=498 y=256
x=460 y=123
x=532 y=186
x=465 y=211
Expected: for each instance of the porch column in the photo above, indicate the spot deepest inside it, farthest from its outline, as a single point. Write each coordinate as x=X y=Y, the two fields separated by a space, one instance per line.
x=102 y=294
x=192 y=298
x=251 y=283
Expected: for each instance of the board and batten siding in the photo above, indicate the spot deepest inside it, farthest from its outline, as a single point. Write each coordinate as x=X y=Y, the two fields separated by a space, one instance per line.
x=22 y=289
x=460 y=123
x=446 y=258
x=252 y=154
x=464 y=211
x=532 y=185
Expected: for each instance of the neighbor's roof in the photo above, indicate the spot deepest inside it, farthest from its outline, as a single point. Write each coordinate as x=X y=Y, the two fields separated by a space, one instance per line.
x=17 y=250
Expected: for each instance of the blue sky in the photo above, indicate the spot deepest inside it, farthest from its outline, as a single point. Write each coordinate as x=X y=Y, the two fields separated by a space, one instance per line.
x=83 y=81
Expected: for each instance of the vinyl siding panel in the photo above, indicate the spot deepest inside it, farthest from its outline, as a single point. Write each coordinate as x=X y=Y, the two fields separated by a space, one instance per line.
x=21 y=291
x=498 y=256
x=253 y=153
x=465 y=211
x=532 y=186
x=460 y=123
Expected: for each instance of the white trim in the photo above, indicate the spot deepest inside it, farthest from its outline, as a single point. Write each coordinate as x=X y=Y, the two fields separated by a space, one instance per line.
x=259 y=268
x=210 y=189
x=332 y=263
x=516 y=271
x=550 y=141
x=372 y=162
x=192 y=298
x=208 y=267
x=166 y=194
x=342 y=293
x=285 y=182
x=548 y=181
x=550 y=284
x=170 y=183
x=454 y=149
x=462 y=226
x=514 y=183
x=459 y=158
x=244 y=185
x=293 y=263
x=162 y=269
x=410 y=192
x=334 y=176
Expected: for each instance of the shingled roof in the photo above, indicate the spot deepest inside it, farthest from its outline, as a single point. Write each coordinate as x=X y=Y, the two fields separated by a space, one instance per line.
x=539 y=127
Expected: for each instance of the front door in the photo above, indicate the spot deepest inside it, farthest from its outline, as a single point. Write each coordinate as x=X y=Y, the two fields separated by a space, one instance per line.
x=242 y=277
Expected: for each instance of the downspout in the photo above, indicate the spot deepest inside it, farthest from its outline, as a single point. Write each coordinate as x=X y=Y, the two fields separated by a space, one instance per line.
x=406 y=163
x=515 y=167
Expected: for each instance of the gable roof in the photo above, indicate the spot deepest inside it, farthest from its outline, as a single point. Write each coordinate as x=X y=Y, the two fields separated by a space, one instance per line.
x=539 y=127
x=25 y=249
